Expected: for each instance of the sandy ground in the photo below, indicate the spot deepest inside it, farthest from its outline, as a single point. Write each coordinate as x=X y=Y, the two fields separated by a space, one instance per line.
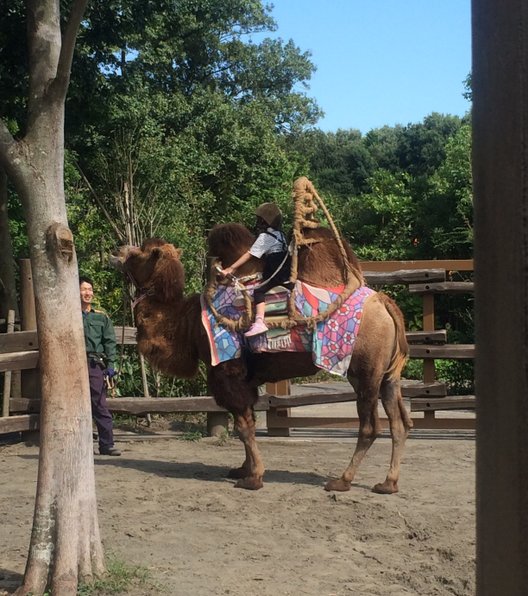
x=166 y=505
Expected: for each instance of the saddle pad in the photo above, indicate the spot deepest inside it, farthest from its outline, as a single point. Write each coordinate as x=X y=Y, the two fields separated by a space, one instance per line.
x=331 y=342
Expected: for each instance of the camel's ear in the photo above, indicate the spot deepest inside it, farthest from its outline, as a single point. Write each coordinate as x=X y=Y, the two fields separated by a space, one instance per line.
x=178 y=252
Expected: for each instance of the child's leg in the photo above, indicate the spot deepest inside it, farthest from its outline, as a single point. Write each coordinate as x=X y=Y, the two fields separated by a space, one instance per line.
x=258 y=326
x=260 y=308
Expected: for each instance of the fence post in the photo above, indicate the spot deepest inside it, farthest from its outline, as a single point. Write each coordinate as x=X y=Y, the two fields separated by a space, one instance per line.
x=7 y=374
x=278 y=389
x=429 y=371
x=217 y=423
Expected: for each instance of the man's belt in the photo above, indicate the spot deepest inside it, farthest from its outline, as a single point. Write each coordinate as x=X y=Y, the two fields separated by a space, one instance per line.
x=96 y=357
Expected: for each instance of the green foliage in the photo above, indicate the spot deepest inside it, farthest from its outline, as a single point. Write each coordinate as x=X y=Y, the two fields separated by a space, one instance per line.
x=191 y=122
x=120 y=578
x=192 y=436
x=129 y=380
x=458 y=375
x=446 y=214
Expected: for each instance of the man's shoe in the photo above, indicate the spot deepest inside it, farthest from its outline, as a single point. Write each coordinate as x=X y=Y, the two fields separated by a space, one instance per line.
x=256 y=329
x=109 y=451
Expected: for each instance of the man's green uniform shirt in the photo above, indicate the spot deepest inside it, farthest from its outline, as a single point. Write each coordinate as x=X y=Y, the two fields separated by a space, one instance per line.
x=99 y=335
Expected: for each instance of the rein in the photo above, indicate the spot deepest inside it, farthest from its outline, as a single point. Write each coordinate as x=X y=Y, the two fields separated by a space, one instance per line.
x=140 y=294
x=134 y=300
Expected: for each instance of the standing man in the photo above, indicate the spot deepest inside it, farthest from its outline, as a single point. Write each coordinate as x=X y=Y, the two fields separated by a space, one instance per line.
x=100 y=341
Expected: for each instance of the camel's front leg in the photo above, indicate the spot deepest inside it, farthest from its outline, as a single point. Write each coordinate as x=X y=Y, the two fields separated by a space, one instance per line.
x=245 y=469
x=245 y=426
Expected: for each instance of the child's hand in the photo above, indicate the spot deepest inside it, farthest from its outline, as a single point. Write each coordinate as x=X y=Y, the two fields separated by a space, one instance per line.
x=228 y=271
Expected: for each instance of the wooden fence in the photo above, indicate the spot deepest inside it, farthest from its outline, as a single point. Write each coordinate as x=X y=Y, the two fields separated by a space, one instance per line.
x=427 y=397
x=19 y=351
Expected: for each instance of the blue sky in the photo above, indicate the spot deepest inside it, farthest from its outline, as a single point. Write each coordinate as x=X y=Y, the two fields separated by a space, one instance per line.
x=381 y=62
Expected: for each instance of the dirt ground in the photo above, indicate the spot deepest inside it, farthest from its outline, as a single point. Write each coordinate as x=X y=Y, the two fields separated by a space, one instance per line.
x=166 y=506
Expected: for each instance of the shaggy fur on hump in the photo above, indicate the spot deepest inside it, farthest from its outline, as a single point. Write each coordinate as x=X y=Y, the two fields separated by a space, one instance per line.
x=319 y=264
x=227 y=242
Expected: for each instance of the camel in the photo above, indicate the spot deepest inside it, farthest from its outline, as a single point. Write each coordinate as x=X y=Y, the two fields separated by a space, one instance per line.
x=171 y=337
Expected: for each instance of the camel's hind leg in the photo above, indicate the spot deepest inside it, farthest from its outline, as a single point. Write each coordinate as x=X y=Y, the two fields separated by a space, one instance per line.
x=252 y=470
x=369 y=429
x=400 y=425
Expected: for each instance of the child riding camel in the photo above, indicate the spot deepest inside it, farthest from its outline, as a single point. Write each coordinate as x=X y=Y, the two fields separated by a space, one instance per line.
x=272 y=246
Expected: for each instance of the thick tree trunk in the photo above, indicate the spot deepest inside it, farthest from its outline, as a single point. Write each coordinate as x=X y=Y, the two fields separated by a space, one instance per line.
x=65 y=542
x=8 y=299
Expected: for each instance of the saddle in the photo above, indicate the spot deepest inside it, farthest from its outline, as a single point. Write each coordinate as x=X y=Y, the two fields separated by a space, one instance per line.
x=306 y=203
x=276 y=302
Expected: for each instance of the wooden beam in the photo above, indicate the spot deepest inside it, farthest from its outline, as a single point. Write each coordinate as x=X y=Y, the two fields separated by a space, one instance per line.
x=451 y=402
x=403 y=276
x=24 y=405
x=446 y=287
x=449 y=264
x=449 y=351
x=18 y=341
x=427 y=337
x=309 y=399
x=499 y=82
x=141 y=405
x=435 y=388
x=14 y=424
x=18 y=361
x=126 y=335
x=353 y=422
x=165 y=405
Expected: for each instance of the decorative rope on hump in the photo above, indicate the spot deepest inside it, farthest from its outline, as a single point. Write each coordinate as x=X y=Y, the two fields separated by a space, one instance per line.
x=306 y=204
x=246 y=316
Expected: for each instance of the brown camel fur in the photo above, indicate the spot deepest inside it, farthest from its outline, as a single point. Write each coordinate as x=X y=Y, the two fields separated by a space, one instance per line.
x=173 y=340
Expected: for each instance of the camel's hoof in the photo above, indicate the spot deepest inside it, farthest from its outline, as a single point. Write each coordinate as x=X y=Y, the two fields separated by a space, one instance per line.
x=388 y=487
x=250 y=483
x=236 y=473
x=338 y=484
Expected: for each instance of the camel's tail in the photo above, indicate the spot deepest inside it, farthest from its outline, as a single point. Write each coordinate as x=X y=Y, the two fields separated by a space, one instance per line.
x=401 y=347
x=400 y=354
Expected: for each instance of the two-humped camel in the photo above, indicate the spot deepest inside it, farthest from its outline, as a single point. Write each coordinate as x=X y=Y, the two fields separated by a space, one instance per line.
x=171 y=337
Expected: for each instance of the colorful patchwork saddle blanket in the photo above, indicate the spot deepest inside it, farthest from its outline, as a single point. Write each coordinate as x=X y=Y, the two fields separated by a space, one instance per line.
x=331 y=342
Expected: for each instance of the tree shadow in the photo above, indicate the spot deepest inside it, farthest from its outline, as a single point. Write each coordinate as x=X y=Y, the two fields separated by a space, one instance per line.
x=10 y=580
x=208 y=472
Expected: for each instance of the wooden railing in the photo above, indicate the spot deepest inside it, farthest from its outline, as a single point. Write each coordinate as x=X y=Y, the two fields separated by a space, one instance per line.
x=19 y=351
x=427 y=396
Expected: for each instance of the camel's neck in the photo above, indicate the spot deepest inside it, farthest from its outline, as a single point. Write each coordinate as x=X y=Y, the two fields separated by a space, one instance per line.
x=167 y=334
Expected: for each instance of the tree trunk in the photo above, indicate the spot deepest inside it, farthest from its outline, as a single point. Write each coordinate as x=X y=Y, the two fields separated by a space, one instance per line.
x=65 y=542
x=8 y=299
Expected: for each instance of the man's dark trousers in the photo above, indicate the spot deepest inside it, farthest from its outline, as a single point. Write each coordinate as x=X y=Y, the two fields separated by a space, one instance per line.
x=100 y=412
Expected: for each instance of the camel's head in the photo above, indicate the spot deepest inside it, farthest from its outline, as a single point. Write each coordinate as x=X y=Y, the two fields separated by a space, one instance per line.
x=155 y=267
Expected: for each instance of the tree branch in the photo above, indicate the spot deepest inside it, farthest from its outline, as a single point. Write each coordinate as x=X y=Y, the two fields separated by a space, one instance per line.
x=68 y=45
x=121 y=237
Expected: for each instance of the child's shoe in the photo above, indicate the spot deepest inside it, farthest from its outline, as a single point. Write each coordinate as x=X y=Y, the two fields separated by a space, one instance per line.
x=257 y=328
